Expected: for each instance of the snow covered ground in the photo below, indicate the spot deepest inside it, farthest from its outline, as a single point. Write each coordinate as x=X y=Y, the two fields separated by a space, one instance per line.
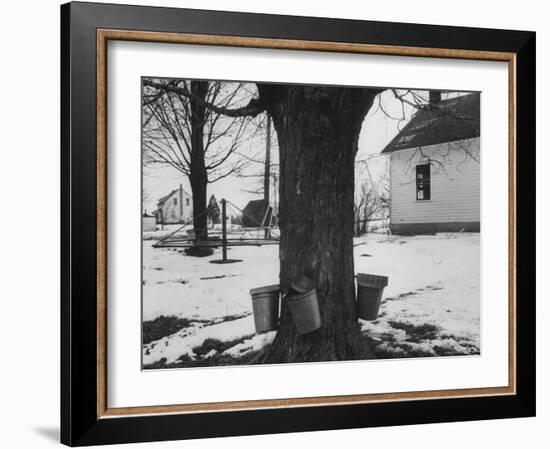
x=430 y=307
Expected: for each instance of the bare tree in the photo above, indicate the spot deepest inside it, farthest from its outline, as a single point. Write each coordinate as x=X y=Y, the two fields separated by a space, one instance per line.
x=161 y=218
x=368 y=204
x=180 y=131
x=263 y=160
x=384 y=193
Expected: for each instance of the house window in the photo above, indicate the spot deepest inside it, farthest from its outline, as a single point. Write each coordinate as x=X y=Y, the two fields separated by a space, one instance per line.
x=187 y=201
x=175 y=201
x=423 y=182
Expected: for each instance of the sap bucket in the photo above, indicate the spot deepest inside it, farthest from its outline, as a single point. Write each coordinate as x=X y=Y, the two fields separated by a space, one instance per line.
x=369 y=295
x=265 y=305
x=304 y=306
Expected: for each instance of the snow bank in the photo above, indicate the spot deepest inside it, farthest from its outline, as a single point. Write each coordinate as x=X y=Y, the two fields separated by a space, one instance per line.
x=255 y=343
x=183 y=342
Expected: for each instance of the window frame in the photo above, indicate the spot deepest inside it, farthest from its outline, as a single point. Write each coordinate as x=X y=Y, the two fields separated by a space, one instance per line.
x=424 y=183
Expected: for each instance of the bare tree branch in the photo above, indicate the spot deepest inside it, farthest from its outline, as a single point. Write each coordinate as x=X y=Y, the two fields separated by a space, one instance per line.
x=252 y=109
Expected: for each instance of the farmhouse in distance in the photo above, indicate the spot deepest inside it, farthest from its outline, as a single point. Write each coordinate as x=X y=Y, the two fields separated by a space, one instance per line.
x=435 y=170
x=176 y=207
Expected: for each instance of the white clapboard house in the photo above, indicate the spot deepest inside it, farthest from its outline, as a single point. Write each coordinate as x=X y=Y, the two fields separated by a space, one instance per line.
x=176 y=207
x=435 y=168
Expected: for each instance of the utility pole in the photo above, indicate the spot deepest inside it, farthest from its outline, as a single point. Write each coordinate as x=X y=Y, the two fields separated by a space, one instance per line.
x=224 y=258
x=267 y=175
x=224 y=231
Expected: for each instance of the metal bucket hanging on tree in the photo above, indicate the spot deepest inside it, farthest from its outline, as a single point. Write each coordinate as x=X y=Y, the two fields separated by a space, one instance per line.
x=370 y=288
x=304 y=305
x=265 y=306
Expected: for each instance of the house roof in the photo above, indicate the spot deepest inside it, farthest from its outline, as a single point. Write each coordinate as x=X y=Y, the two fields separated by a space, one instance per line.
x=449 y=120
x=253 y=213
x=165 y=197
x=255 y=203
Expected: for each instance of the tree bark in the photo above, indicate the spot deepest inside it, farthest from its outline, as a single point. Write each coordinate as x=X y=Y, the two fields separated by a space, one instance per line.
x=198 y=176
x=318 y=130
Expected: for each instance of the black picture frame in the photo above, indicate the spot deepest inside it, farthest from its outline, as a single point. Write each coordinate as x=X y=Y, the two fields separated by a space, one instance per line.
x=80 y=423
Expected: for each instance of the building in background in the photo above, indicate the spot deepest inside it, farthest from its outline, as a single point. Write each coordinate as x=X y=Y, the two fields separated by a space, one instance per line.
x=255 y=214
x=176 y=207
x=435 y=168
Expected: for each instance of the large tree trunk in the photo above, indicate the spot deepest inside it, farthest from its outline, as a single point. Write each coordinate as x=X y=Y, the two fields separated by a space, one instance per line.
x=318 y=130
x=198 y=181
x=198 y=176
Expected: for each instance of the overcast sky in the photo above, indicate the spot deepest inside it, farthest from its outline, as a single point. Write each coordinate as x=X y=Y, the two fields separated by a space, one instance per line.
x=377 y=130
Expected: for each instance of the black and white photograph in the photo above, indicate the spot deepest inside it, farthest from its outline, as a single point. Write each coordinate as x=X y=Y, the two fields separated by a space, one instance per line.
x=289 y=223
